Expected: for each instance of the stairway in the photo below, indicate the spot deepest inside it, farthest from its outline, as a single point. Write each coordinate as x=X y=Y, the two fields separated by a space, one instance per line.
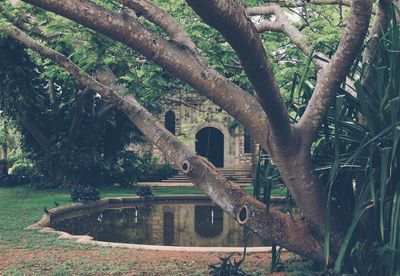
x=240 y=176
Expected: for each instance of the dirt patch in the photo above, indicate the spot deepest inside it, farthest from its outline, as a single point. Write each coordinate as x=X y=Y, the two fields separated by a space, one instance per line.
x=111 y=261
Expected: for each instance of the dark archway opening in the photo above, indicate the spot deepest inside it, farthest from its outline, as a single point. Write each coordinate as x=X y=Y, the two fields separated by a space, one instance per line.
x=168 y=227
x=210 y=144
x=208 y=221
x=247 y=143
x=170 y=121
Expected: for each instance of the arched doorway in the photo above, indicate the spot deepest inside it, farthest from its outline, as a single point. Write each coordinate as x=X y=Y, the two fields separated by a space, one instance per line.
x=208 y=221
x=210 y=144
x=170 y=121
x=247 y=143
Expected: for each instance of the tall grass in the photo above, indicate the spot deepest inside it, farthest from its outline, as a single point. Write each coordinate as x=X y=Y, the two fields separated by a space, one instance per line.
x=372 y=245
x=357 y=157
x=359 y=160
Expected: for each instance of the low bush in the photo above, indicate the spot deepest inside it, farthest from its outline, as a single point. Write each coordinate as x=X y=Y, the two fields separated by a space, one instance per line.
x=145 y=192
x=158 y=172
x=84 y=194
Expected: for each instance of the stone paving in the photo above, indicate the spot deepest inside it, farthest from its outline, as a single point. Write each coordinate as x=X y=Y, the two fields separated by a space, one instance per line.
x=176 y=184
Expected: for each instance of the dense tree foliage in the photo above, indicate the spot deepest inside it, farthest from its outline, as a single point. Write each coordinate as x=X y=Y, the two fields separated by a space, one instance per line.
x=71 y=134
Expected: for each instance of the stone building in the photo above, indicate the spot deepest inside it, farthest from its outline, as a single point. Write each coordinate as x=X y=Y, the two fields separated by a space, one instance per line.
x=208 y=130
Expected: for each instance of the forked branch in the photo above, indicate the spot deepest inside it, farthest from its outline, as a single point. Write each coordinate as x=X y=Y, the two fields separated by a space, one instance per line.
x=161 y=18
x=381 y=23
x=229 y=18
x=283 y=25
x=335 y=72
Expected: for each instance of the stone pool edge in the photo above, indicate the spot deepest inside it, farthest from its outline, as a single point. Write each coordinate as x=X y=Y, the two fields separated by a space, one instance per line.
x=43 y=226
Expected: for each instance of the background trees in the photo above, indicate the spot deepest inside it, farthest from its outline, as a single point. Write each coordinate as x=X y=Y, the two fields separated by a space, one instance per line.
x=287 y=130
x=72 y=135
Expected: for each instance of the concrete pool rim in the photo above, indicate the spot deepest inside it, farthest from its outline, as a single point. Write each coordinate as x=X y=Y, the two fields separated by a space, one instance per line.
x=43 y=224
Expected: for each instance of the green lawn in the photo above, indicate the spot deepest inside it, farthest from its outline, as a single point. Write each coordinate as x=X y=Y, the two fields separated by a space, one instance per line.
x=22 y=206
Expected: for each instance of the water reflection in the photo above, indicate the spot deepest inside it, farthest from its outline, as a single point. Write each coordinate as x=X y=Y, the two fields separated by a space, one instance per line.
x=168 y=228
x=179 y=224
x=209 y=221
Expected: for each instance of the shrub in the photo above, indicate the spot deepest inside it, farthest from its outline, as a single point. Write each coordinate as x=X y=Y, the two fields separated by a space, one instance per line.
x=145 y=192
x=19 y=176
x=158 y=172
x=84 y=194
x=227 y=267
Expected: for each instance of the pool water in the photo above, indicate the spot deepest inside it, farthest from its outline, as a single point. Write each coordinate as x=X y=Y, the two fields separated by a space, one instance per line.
x=170 y=223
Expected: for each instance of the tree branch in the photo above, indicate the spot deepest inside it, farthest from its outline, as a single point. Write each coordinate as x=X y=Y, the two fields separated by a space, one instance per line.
x=26 y=25
x=302 y=3
x=283 y=25
x=229 y=18
x=104 y=110
x=177 y=60
x=273 y=225
x=161 y=18
x=285 y=147
x=81 y=98
x=381 y=23
x=335 y=72
x=50 y=90
x=371 y=54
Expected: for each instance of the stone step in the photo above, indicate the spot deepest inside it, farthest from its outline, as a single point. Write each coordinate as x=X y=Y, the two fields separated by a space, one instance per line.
x=240 y=176
x=229 y=176
x=246 y=179
x=227 y=173
x=188 y=181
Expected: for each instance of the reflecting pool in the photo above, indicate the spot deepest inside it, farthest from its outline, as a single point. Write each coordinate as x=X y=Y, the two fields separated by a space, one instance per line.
x=199 y=224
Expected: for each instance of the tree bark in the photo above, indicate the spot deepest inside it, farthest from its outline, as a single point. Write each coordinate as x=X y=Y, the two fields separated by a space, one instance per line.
x=335 y=72
x=370 y=54
x=51 y=91
x=229 y=18
x=163 y=19
x=81 y=98
x=283 y=25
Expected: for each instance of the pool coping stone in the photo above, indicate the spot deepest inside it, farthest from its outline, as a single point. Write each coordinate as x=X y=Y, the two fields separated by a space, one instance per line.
x=43 y=226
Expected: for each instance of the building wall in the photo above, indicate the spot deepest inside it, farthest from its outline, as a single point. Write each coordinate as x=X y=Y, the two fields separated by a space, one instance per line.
x=193 y=113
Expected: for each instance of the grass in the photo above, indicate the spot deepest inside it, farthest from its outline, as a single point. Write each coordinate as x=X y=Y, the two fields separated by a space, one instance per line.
x=38 y=253
x=21 y=207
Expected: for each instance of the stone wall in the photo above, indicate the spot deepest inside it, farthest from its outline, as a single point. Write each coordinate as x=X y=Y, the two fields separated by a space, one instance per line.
x=193 y=113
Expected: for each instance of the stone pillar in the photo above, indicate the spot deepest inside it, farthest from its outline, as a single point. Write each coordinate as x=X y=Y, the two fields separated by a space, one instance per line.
x=254 y=147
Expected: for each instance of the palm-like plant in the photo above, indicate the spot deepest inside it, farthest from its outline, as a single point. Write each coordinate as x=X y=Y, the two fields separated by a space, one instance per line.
x=357 y=153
